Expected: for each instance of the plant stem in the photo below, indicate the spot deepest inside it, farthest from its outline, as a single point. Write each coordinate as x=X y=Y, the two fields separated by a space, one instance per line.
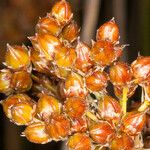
x=124 y=100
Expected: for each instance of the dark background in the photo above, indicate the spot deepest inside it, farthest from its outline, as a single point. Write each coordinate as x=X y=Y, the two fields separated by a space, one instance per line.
x=19 y=17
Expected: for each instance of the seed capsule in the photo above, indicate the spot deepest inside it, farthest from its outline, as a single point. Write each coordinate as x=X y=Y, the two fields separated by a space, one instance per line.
x=47 y=105
x=47 y=44
x=96 y=81
x=48 y=25
x=13 y=100
x=5 y=81
x=79 y=141
x=75 y=107
x=21 y=81
x=70 y=32
x=133 y=123
x=58 y=127
x=36 y=133
x=79 y=125
x=17 y=57
x=104 y=53
x=109 y=31
x=109 y=109
x=101 y=132
x=83 y=61
x=122 y=142
x=62 y=12
x=120 y=74
x=74 y=86
x=141 y=69
x=23 y=113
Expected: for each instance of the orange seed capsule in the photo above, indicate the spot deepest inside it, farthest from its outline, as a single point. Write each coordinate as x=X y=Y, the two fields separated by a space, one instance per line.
x=17 y=57
x=79 y=141
x=109 y=31
x=75 y=107
x=36 y=133
x=62 y=12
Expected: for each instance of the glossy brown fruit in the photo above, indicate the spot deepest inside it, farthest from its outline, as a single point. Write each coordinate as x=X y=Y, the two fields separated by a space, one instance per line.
x=83 y=61
x=96 y=81
x=70 y=32
x=47 y=44
x=133 y=122
x=58 y=127
x=74 y=86
x=62 y=12
x=17 y=57
x=79 y=141
x=5 y=81
x=13 y=100
x=109 y=31
x=23 y=113
x=48 y=25
x=75 y=107
x=110 y=109
x=120 y=74
x=78 y=125
x=21 y=81
x=47 y=105
x=36 y=133
x=122 y=142
x=104 y=53
x=141 y=68
x=101 y=132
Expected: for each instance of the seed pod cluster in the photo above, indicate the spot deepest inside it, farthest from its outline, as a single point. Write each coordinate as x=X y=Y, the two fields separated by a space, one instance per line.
x=67 y=80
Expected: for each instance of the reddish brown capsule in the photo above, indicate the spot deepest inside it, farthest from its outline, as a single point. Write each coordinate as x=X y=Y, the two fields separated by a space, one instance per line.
x=36 y=133
x=47 y=105
x=48 y=25
x=79 y=141
x=47 y=44
x=62 y=12
x=141 y=68
x=104 y=52
x=122 y=142
x=83 y=61
x=120 y=74
x=79 y=125
x=96 y=81
x=58 y=127
x=101 y=132
x=17 y=57
x=133 y=123
x=5 y=81
x=70 y=32
x=109 y=31
x=109 y=109
x=75 y=107
x=13 y=100
x=23 y=113
x=21 y=81
x=74 y=86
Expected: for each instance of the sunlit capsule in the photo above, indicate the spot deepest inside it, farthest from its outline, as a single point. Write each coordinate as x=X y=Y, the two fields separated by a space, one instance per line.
x=101 y=132
x=109 y=31
x=23 y=113
x=133 y=122
x=62 y=12
x=47 y=105
x=36 y=133
x=17 y=57
x=58 y=127
x=75 y=107
x=122 y=142
x=5 y=81
x=79 y=141
x=21 y=81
